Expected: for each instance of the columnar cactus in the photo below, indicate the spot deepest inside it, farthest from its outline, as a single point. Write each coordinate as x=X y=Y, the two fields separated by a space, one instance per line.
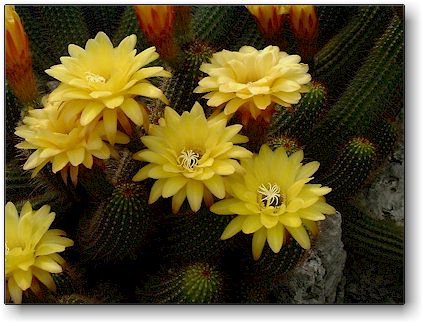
x=265 y=121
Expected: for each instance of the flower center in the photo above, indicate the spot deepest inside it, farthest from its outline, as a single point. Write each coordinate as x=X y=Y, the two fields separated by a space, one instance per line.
x=188 y=159
x=94 y=78
x=270 y=195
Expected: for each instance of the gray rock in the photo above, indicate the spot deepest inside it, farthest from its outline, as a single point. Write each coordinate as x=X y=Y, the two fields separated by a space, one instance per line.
x=317 y=281
x=385 y=197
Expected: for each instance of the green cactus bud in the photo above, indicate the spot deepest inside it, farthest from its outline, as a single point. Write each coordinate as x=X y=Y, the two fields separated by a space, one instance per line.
x=118 y=228
x=351 y=169
x=290 y=144
x=199 y=283
x=299 y=121
x=193 y=236
x=378 y=240
x=337 y=61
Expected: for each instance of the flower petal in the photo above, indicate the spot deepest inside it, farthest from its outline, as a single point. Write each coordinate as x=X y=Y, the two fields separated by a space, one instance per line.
x=233 y=227
x=275 y=237
x=195 y=194
x=258 y=243
x=300 y=235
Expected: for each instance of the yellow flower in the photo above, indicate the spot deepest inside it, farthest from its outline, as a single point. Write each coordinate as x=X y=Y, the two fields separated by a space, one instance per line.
x=189 y=155
x=251 y=81
x=269 y=18
x=304 y=21
x=19 y=71
x=272 y=198
x=58 y=138
x=31 y=249
x=107 y=79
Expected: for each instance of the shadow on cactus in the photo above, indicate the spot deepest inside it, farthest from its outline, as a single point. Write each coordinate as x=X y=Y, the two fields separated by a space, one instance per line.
x=156 y=134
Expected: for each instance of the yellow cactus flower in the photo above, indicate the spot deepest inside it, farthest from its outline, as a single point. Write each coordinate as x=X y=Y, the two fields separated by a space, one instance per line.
x=189 y=155
x=19 y=71
x=58 y=138
x=157 y=24
x=250 y=81
x=273 y=198
x=269 y=18
x=31 y=249
x=108 y=79
x=304 y=21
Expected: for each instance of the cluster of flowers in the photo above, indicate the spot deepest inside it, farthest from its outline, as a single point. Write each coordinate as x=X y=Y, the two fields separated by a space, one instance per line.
x=97 y=91
x=191 y=156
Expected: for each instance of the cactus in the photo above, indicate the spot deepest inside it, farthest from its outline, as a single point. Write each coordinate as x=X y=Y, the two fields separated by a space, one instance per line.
x=341 y=56
x=118 y=227
x=128 y=250
x=199 y=283
x=351 y=169
x=186 y=240
x=299 y=122
x=368 y=95
x=378 y=240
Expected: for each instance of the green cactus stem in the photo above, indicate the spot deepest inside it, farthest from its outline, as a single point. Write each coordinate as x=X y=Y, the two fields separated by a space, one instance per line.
x=119 y=226
x=199 y=283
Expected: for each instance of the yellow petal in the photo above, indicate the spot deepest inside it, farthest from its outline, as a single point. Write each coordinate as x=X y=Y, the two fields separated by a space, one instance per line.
x=59 y=162
x=262 y=101
x=233 y=227
x=295 y=205
x=14 y=290
x=156 y=190
x=45 y=278
x=90 y=112
x=268 y=221
x=177 y=200
x=173 y=185
x=76 y=156
x=11 y=224
x=258 y=243
x=195 y=194
x=23 y=278
x=223 y=207
x=46 y=263
x=311 y=214
x=110 y=121
x=300 y=235
x=290 y=219
x=251 y=224
x=275 y=237
x=216 y=186
x=131 y=108
x=311 y=226
x=222 y=167
x=218 y=98
x=146 y=90
x=307 y=170
x=143 y=173
x=232 y=106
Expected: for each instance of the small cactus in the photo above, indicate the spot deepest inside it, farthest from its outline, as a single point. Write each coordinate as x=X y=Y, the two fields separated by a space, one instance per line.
x=199 y=283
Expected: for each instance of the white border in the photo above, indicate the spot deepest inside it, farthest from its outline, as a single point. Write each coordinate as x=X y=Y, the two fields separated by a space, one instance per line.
x=412 y=312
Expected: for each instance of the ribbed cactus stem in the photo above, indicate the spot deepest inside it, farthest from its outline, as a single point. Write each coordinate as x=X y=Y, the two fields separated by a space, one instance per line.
x=351 y=169
x=185 y=78
x=299 y=121
x=367 y=97
x=119 y=226
x=344 y=53
x=102 y=18
x=193 y=236
x=199 y=283
x=379 y=240
x=128 y=26
x=68 y=26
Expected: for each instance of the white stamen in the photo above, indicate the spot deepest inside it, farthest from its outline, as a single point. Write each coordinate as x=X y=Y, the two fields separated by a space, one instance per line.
x=270 y=196
x=95 y=78
x=188 y=159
